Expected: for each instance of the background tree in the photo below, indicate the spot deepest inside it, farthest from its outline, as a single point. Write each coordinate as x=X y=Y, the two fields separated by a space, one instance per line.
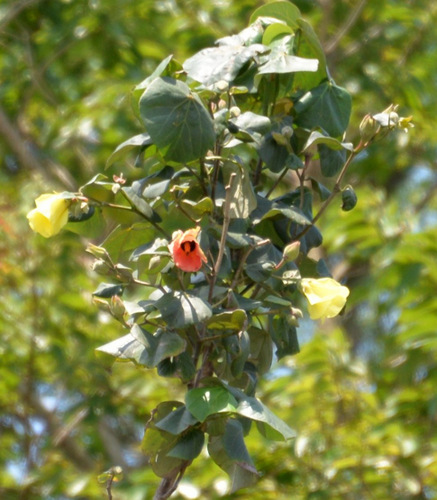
x=360 y=397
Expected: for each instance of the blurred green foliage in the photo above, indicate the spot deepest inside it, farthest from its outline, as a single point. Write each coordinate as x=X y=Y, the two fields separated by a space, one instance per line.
x=361 y=394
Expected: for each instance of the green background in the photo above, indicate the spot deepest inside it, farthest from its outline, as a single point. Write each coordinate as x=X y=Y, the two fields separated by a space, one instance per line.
x=360 y=394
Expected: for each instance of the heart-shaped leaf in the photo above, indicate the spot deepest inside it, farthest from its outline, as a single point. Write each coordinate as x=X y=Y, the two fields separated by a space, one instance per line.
x=176 y=120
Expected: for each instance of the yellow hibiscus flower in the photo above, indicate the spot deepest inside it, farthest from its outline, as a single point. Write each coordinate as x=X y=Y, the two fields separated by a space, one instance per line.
x=50 y=214
x=326 y=297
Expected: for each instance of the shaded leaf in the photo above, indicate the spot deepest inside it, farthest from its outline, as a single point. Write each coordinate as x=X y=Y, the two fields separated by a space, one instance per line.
x=331 y=161
x=177 y=421
x=229 y=320
x=253 y=409
x=188 y=446
x=326 y=106
x=181 y=309
x=144 y=348
x=108 y=290
x=230 y=453
x=141 y=140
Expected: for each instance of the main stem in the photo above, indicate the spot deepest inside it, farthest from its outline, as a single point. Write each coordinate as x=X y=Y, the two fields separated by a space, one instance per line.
x=168 y=484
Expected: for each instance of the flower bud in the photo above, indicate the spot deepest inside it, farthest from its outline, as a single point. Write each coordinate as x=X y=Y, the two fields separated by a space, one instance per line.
x=291 y=251
x=116 y=308
x=369 y=128
x=100 y=267
x=235 y=111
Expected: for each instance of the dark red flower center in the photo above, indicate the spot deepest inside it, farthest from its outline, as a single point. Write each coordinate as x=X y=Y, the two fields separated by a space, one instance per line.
x=188 y=247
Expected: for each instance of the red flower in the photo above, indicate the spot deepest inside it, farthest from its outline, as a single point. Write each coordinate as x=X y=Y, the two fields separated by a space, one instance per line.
x=185 y=250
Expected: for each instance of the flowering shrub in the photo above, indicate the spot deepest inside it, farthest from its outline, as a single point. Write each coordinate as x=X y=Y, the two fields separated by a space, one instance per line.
x=213 y=239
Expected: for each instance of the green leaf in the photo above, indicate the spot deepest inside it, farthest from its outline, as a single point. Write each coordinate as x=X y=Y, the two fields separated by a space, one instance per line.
x=318 y=138
x=284 y=335
x=205 y=401
x=230 y=453
x=180 y=309
x=135 y=196
x=181 y=366
x=144 y=348
x=242 y=193
x=98 y=189
x=141 y=140
x=176 y=120
x=156 y=444
x=268 y=209
x=280 y=60
x=229 y=320
x=310 y=46
x=274 y=31
x=126 y=238
x=253 y=409
x=198 y=209
x=331 y=161
x=323 y=192
x=284 y=11
x=326 y=106
x=188 y=446
x=108 y=290
x=261 y=349
x=159 y=71
x=275 y=155
x=252 y=124
x=224 y=62
x=177 y=421
x=240 y=357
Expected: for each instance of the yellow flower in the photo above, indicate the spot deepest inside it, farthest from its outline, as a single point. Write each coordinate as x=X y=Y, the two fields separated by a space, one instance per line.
x=50 y=214
x=326 y=298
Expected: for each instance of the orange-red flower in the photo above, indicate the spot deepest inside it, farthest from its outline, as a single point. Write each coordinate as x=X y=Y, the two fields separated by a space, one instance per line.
x=185 y=250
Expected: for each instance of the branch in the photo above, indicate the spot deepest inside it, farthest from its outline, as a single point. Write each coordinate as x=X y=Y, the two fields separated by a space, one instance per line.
x=112 y=443
x=336 y=189
x=347 y=26
x=13 y=12
x=28 y=159
x=222 y=245
x=77 y=455
x=169 y=484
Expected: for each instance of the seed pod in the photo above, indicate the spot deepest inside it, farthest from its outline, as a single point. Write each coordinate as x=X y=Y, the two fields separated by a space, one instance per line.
x=349 y=198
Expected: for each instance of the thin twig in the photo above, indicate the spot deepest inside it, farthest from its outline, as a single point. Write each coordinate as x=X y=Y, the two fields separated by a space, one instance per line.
x=222 y=244
x=336 y=189
x=347 y=26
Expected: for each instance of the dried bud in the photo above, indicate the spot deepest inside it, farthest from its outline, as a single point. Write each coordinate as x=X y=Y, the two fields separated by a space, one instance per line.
x=369 y=128
x=116 y=308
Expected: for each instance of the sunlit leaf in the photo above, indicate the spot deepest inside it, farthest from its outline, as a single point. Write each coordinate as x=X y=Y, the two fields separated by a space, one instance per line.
x=176 y=120
x=205 y=401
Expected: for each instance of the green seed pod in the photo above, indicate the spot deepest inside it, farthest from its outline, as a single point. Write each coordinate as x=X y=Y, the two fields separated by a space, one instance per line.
x=349 y=198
